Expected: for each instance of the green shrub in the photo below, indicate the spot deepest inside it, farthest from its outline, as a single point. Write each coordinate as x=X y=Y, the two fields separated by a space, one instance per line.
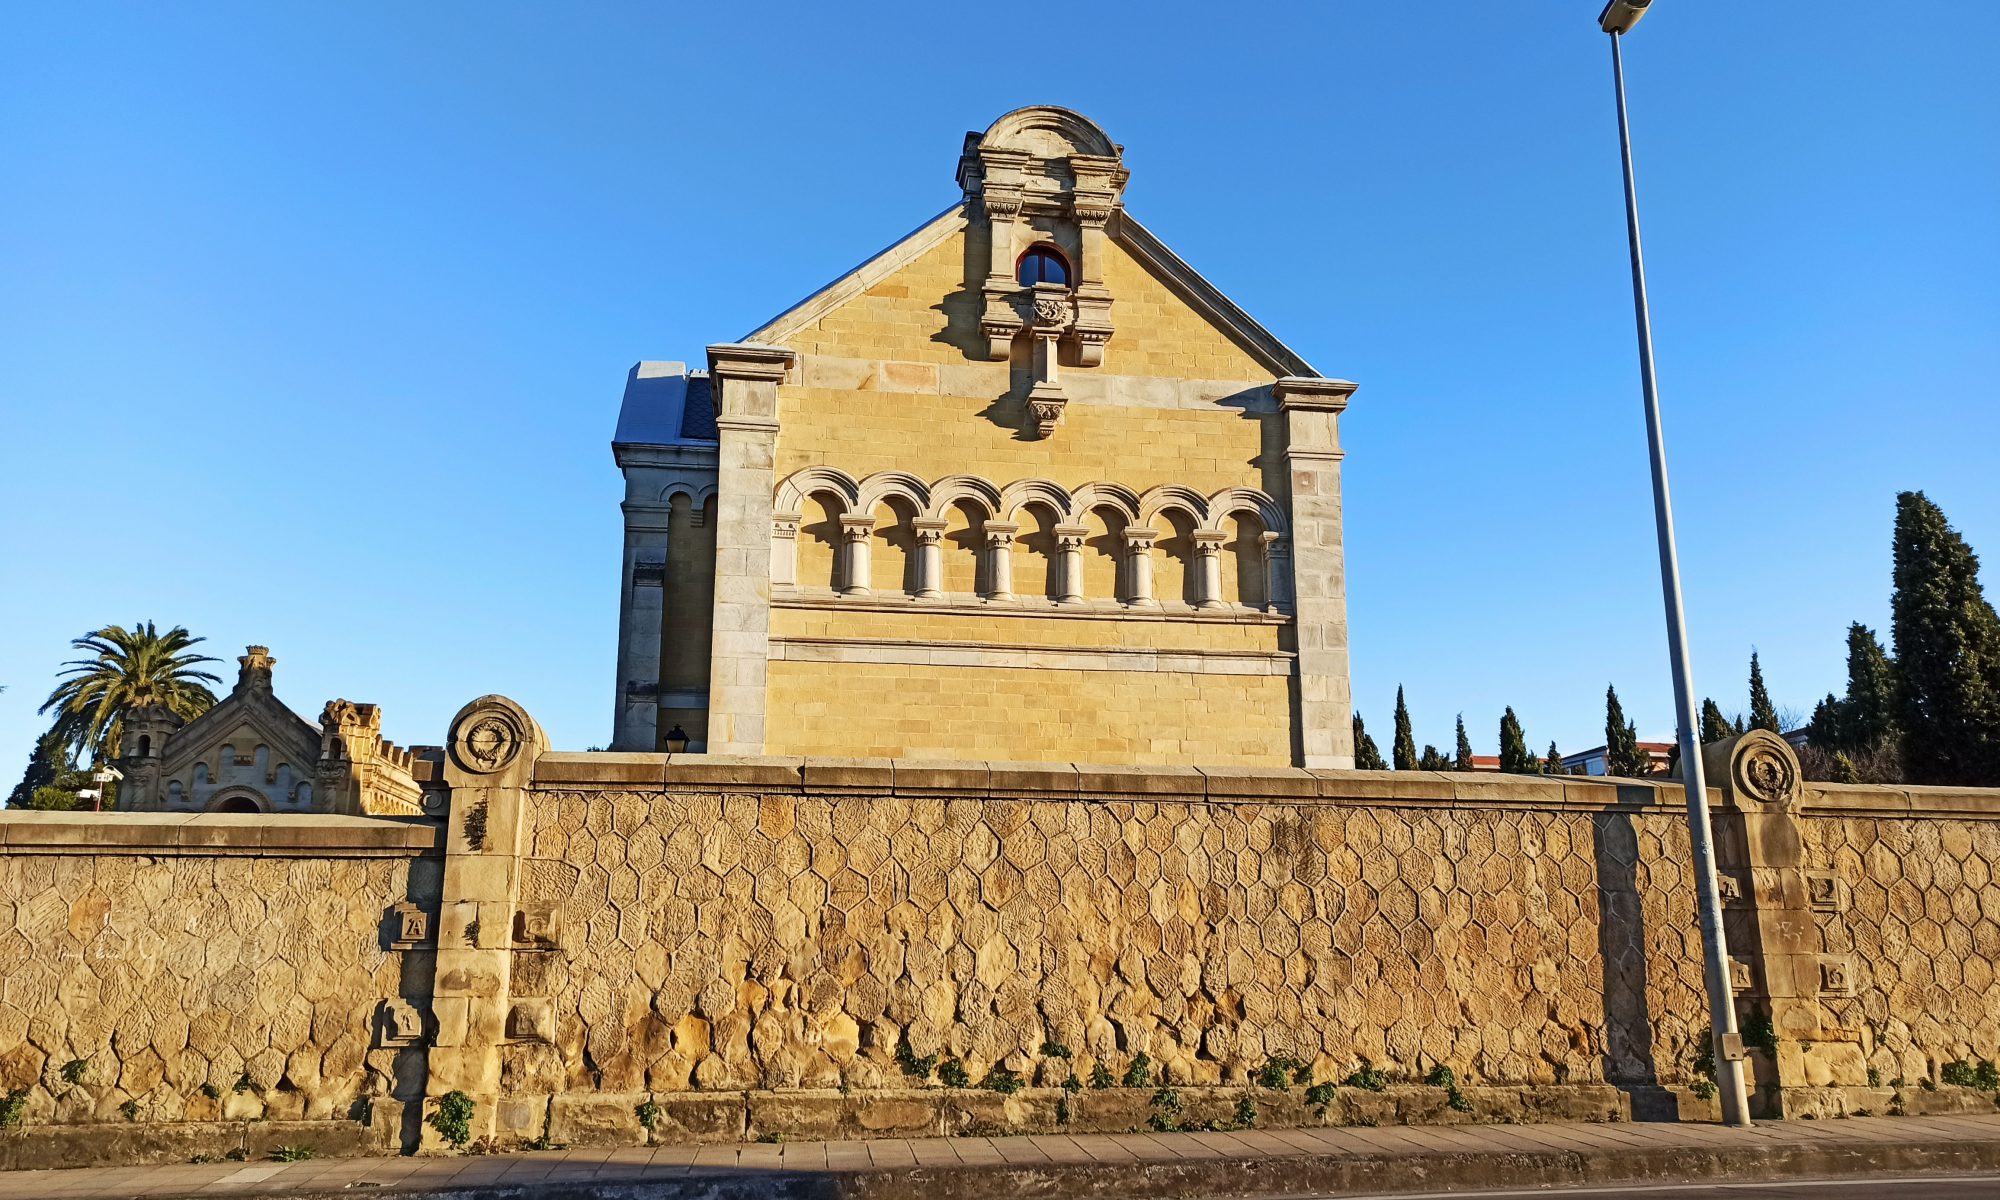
x=1442 y=1076
x=53 y=799
x=1072 y=1084
x=236 y=1154
x=648 y=1114
x=1455 y=1099
x=1246 y=1113
x=1100 y=1076
x=1166 y=1116
x=1759 y=1032
x=211 y=1091
x=1062 y=1110
x=914 y=1067
x=129 y=1110
x=453 y=1118
x=1368 y=1078
x=291 y=1154
x=1986 y=1076
x=1281 y=1070
x=1053 y=1049
x=72 y=1071
x=12 y=1107
x=1874 y=1077
x=1957 y=1073
x=1320 y=1095
x=1703 y=1089
x=1002 y=1080
x=951 y=1073
x=1140 y=1073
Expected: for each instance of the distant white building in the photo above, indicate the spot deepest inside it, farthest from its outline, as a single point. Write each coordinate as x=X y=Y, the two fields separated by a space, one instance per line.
x=1597 y=761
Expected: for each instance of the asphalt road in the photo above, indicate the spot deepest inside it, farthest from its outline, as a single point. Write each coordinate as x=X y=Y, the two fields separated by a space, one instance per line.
x=1981 y=1187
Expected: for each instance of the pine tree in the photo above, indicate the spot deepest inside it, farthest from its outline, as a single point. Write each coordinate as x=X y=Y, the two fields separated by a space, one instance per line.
x=1552 y=762
x=1366 y=756
x=1947 y=652
x=1462 y=759
x=1514 y=756
x=1826 y=729
x=1762 y=715
x=1714 y=726
x=1433 y=759
x=48 y=764
x=1404 y=747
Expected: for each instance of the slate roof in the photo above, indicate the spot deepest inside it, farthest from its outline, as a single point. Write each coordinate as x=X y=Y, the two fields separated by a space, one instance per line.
x=665 y=405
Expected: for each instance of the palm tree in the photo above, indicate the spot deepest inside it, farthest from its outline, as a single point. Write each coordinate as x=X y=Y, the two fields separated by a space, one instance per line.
x=130 y=669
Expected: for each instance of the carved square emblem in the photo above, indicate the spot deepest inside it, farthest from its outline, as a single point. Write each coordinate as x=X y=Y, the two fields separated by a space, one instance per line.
x=531 y=1021
x=537 y=926
x=398 y=1023
x=1836 y=976
x=409 y=926
x=1730 y=888
x=1826 y=891
x=1740 y=976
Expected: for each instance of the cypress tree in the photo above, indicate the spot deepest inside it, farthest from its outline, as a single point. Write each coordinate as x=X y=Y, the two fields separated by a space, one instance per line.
x=1366 y=756
x=1714 y=726
x=1514 y=756
x=1433 y=759
x=1552 y=762
x=1867 y=717
x=1462 y=760
x=1404 y=747
x=1762 y=715
x=1826 y=729
x=1947 y=652
x=1622 y=756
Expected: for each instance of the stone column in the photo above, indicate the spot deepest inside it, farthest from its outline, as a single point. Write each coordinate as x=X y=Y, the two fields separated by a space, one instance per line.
x=745 y=382
x=1000 y=559
x=930 y=556
x=1208 y=562
x=1139 y=565
x=785 y=548
x=1069 y=544
x=854 y=574
x=489 y=765
x=1277 y=570
x=1310 y=411
x=641 y=616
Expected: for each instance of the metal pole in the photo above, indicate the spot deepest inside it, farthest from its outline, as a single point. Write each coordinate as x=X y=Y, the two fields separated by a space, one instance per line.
x=1728 y=1045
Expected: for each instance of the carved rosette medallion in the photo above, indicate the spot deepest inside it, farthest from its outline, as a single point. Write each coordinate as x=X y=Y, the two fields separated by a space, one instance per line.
x=487 y=740
x=1051 y=312
x=1765 y=769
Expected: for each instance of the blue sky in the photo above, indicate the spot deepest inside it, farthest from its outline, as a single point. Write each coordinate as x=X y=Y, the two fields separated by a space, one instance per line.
x=313 y=319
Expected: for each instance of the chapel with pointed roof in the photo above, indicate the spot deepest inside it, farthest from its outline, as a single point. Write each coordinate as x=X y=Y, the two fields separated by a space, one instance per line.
x=1022 y=487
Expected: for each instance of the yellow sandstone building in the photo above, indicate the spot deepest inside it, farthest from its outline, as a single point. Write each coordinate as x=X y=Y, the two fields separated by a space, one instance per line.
x=1022 y=487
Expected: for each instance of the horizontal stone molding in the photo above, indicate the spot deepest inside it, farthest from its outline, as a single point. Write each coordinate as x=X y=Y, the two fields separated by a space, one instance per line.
x=952 y=779
x=972 y=380
x=217 y=833
x=1090 y=608
x=1029 y=658
x=1889 y=800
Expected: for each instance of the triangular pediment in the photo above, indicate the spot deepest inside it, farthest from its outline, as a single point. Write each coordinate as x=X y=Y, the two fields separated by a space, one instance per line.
x=291 y=737
x=927 y=252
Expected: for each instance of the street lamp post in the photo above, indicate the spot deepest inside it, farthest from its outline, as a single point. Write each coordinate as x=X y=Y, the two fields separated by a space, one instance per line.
x=1617 y=19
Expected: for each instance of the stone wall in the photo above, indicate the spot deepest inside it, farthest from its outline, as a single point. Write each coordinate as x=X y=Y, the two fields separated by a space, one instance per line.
x=168 y=968
x=743 y=946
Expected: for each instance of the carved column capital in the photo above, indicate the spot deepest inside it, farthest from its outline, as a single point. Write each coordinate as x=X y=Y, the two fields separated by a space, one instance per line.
x=856 y=529
x=1071 y=537
x=1140 y=539
x=786 y=525
x=929 y=530
x=1000 y=533
x=1208 y=542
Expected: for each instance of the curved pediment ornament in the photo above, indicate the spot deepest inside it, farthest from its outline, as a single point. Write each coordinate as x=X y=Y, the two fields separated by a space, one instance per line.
x=492 y=736
x=1757 y=769
x=1048 y=131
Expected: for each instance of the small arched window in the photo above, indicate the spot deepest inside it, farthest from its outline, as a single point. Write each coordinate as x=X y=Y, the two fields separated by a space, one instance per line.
x=1043 y=264
x=145 y=745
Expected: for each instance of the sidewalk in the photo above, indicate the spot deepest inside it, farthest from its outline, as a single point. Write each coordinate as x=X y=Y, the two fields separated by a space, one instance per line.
x=1248 y=1163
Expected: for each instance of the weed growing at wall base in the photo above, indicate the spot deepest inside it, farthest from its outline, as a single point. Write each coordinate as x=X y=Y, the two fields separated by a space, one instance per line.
x=453 y=1118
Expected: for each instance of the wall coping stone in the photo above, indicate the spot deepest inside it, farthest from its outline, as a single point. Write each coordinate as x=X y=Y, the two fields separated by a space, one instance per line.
x=1898 y=800
x=30 y=832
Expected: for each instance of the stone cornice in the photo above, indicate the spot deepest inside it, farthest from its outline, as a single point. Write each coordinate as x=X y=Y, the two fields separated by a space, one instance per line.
x=749 y=360
x=1312 y=394
x=1092 y=608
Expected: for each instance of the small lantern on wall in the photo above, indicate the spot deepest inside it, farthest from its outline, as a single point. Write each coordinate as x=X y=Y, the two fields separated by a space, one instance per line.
x=677 y=740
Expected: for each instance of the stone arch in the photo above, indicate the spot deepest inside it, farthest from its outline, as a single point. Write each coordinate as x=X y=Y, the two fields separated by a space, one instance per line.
x=1023 y=492
x=1172 y=496
x=1116 y=497
x=883 y=485
x=1049 y=132
x=238 y=800
x=798 y=485
x=969 y=490
x=1230 y=501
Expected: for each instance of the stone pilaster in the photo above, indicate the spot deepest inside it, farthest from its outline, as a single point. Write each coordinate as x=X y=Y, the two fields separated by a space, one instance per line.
x=1310 y=410
x=489 y=766
x=641 y=614
x=745 y=381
